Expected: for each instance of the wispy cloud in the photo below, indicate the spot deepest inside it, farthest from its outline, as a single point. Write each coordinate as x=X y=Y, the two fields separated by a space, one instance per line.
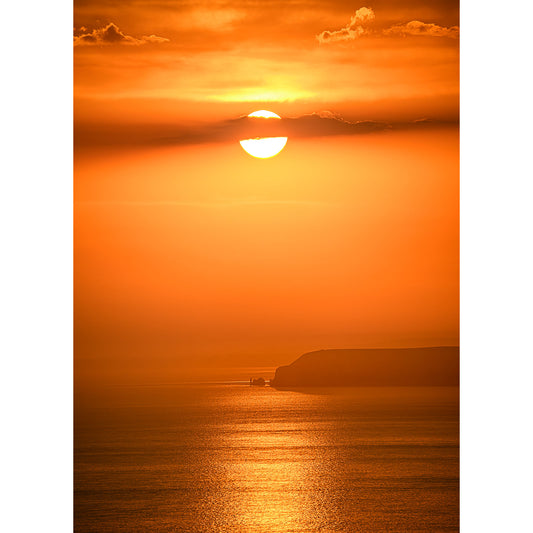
x=357 y=27
x=415 y=27
x=354 y=29
x=111 y=34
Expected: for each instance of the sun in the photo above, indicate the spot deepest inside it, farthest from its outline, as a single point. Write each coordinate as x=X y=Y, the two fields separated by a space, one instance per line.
x=264 y=147
x=263 y=113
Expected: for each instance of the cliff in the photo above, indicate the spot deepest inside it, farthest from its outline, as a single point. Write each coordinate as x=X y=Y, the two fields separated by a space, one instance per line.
x=372 y=367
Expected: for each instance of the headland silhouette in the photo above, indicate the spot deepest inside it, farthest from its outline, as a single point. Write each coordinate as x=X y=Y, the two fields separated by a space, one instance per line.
x=429 y=366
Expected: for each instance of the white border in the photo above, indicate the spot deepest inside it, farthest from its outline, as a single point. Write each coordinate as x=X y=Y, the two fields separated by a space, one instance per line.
x=36 y=267
x=496 y=267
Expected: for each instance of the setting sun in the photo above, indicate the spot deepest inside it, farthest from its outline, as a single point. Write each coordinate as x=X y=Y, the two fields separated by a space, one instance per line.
x=264 y=147
x=263 y=113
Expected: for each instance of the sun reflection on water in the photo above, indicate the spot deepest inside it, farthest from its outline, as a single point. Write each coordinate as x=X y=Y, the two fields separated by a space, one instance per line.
x=217 y=459
x=273 y=468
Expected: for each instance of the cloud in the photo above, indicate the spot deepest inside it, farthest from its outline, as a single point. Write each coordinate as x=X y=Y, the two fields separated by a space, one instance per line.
x=111 y=34
x=365 y=15
x=415 y=27
x=154 y=39
x=354 y=29
x=319 y=124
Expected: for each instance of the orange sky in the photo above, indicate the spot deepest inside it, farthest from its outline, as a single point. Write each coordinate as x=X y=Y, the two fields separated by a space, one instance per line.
x=190 y=253
x=191 y=60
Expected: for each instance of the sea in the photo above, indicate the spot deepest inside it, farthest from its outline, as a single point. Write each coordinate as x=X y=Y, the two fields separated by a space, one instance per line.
x=229 y=457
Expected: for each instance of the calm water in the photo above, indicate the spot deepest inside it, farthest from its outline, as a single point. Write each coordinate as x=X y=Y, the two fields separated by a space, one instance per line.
x=229 y=457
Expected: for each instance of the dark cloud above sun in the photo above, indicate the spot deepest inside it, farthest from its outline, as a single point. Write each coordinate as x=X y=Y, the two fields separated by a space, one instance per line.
x=312 y=125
